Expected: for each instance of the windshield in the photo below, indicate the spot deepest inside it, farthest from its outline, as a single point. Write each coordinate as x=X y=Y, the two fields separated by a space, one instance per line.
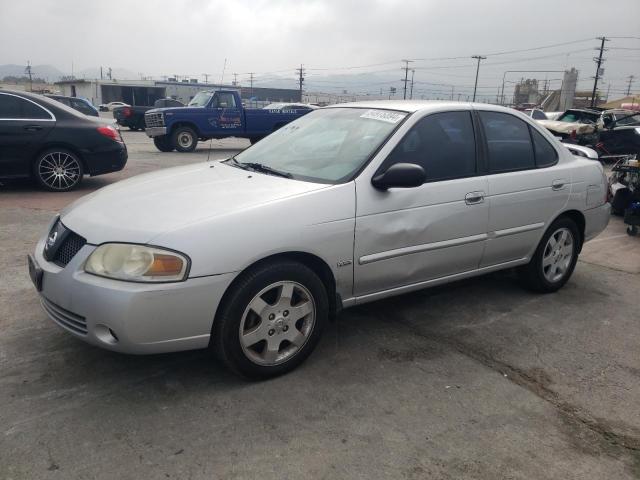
x=574 y=116
x=201 y=99
x=630 y=119
x=325 y=146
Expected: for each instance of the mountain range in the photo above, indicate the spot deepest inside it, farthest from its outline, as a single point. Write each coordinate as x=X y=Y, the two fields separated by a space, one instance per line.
x=53 y=74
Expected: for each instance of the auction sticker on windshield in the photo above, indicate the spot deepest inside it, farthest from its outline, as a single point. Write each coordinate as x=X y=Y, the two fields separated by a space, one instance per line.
x=384 y=116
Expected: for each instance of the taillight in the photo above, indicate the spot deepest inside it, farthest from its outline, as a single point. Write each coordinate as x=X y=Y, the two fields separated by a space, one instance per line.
x=109 y=131
x=573 y=135
x=126 y=111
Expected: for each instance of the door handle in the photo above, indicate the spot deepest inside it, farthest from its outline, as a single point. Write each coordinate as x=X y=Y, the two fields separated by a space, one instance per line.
x=32 y=128
x=473 y=198
x=558 y=184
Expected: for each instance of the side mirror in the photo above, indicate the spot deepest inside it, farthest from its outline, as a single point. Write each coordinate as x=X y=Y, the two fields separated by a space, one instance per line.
x=400 y=175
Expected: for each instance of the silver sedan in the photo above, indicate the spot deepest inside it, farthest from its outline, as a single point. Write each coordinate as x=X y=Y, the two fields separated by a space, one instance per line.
x=253 y=255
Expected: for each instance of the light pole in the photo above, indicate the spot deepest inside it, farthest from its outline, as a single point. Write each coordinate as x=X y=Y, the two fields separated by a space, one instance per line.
x=475 y=87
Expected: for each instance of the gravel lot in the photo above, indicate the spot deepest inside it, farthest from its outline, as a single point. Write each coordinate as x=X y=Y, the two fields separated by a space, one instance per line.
x=479 y=379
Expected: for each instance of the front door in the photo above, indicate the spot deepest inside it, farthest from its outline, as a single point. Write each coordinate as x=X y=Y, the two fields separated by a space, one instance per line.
x=409 y=236
x=224 y=115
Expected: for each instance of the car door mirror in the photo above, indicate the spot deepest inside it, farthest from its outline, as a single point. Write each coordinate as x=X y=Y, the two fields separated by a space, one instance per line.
x=400 y=175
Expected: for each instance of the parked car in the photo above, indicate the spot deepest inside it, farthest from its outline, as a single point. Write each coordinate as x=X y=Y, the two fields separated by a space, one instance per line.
x=343 y=206
x=212 y=114
x=53 y=144
x=535 y=113
x=133 y=116
x=573 y=123
x=620 y=133
x=107 y=107
x=290 y=106
x=80 y=104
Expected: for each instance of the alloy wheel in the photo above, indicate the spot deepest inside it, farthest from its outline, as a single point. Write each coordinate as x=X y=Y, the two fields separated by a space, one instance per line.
x=557 y=255
x=277 y=323
x=59 y=170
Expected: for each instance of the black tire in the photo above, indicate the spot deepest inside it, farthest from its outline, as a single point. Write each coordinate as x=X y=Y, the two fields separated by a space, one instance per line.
x=133 y=128
x=255 y=140
x=162 y=143
x=533 y=274
x=58 y=170
x=184 y=139
x=632 y=230
x=226 y=328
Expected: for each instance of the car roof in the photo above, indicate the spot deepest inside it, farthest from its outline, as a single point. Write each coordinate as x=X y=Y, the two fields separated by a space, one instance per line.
x=411 y=106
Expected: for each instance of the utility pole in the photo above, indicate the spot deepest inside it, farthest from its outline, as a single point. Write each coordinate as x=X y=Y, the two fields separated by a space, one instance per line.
x=598 y=61
x=27 y=70
x=109 y=74
x=475 y=87
x=413 y=72
x=452 y=88
x=100 y=72
x=631 y=77
x=206 y=77
x=406 y=76
x=235 y=79
x=251 y=84
x=300 y=72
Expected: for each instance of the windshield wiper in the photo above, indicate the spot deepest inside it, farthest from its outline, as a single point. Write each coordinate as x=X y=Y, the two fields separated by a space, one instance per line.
x=258 y=167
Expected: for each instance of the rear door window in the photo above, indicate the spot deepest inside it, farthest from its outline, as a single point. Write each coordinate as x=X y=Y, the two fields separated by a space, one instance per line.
x=13 y=107
x=546 y=155
x=508 y=141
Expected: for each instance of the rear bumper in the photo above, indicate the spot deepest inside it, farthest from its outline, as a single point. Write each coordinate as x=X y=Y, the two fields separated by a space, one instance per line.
x=155 y=131
x=111 y=159
x=596 y=220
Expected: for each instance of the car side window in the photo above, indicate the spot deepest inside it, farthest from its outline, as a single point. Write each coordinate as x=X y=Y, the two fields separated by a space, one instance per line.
x=508 y=142
x=81 y=107
x=538 y=115
x=545 y=154
x=16 y=107
x=442 y=143
x=225 y=100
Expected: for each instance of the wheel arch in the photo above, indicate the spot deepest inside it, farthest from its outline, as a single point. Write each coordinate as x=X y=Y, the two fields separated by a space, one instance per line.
x=315 y=263
x=578 y=217
x=185 y=123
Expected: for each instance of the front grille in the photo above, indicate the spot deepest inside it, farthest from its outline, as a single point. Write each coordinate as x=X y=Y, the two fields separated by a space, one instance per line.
x=154 y=119
x=66 y=319
x=70 y=246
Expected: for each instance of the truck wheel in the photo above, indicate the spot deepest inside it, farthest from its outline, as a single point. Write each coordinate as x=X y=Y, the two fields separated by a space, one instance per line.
x=162 y=143
x=184 y=139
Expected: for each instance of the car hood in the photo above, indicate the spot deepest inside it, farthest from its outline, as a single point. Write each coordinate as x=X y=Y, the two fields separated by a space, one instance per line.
x=567 y=127
x=140 y=208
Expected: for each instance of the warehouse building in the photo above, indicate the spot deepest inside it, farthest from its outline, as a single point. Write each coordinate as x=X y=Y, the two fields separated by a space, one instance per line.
x=146 y=92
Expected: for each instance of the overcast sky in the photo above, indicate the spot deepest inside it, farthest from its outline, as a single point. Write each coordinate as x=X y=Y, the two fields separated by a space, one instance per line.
x=273 y=37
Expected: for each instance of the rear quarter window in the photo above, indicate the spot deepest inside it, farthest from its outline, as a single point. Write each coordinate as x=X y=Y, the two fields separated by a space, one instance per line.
x=508 y=142
x=545 y=154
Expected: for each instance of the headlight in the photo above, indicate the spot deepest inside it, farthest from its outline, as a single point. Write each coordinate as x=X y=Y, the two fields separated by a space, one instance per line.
x=136 y=263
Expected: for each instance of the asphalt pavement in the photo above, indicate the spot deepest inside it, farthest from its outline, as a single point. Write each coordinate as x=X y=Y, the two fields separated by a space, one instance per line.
x=479 y=379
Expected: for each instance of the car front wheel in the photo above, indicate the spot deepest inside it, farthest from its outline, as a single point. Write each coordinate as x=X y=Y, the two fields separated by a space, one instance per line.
x=554 y=259
x=271 y=320
x=58 y=170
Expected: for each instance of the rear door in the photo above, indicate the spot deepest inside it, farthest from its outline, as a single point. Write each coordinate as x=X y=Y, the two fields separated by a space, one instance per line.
x=527 y=187
x=23 y=126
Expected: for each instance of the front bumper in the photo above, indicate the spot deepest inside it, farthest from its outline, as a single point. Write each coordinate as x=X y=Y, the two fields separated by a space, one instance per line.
x=138 y=318
x=155 y=131
x=596 y=220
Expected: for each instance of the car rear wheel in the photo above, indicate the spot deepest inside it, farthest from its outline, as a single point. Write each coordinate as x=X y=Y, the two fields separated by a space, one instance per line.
x=271 y=320
x=58 y=170
x=554 y=259
x=163 y=144
x=184 y=139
